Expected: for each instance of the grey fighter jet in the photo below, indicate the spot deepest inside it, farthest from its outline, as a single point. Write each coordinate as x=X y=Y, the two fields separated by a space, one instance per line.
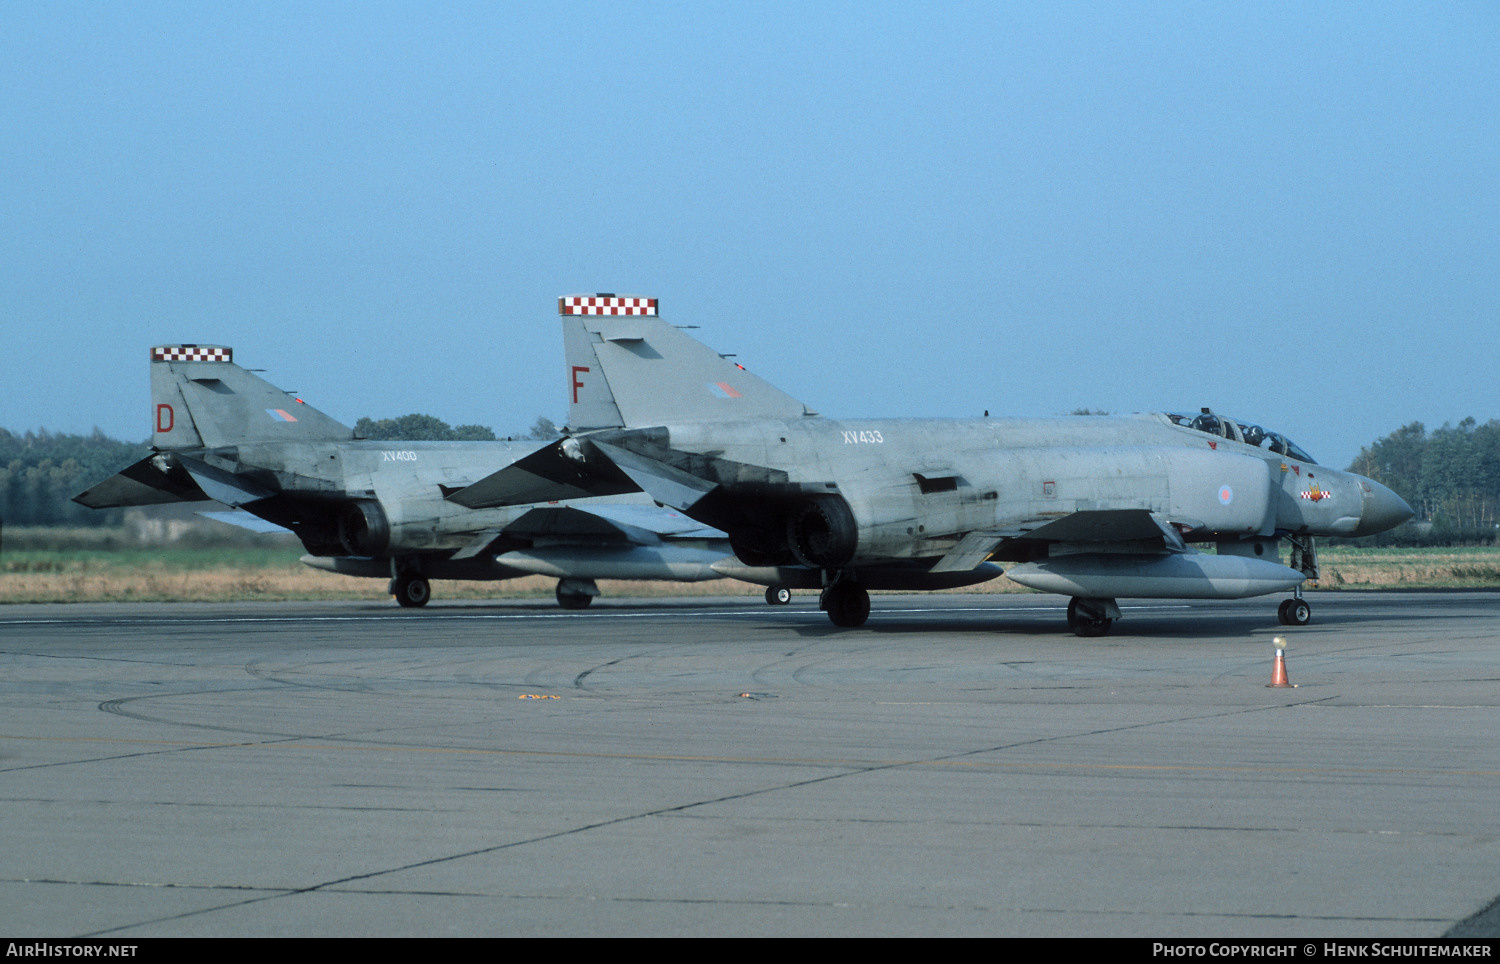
x=1094 y=508
x=373 y=508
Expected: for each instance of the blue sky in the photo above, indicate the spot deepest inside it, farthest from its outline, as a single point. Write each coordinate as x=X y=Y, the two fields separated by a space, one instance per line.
x=1289 y=212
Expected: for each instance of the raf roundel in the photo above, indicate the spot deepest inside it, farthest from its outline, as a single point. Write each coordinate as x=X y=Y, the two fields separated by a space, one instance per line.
x=1226 y=494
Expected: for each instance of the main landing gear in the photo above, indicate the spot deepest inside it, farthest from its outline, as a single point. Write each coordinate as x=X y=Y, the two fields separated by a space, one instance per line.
x=576 y=593
x=1091 y=618
x=847 y=604
x=411 y=591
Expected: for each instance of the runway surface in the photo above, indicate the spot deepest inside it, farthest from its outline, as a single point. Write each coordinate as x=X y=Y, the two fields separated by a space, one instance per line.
x=962 y=765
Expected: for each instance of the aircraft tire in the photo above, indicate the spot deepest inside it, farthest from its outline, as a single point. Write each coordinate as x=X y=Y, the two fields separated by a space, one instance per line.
x=1093 y=628
x=1294 y=612
x=413 y=592
x=1088 y=627
x=571 y=600
x=778 y=596
x=848 y=605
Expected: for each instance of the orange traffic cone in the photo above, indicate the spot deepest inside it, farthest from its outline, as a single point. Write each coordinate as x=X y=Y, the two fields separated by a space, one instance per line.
x=1278 y=671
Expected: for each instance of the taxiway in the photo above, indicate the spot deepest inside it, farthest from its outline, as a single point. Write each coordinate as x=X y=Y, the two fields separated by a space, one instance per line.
x=962 y=765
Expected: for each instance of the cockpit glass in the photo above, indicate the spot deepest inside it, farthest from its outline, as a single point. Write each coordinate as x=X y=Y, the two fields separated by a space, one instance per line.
x=1238 y=431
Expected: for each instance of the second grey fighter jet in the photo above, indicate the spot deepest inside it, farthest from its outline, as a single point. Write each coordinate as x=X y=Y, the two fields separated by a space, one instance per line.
x=1094 y=508
x=377 y=509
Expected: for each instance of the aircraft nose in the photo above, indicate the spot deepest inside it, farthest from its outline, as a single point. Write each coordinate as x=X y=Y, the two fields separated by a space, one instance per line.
x=1383 y=509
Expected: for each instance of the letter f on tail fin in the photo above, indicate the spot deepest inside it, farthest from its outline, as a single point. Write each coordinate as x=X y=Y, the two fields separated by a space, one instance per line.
x=627 y=368
x=201 y=399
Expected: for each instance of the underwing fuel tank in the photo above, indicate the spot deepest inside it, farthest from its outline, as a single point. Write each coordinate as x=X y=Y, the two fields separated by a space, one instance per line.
x=1177 y=575
x=676 y=563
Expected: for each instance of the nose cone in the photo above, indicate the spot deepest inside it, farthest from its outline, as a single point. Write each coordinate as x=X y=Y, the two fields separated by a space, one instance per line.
x=1383 y=509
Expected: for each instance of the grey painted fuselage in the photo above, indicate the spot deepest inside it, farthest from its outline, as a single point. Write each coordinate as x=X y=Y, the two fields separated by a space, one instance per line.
x=377 y=508
x=1091 y=506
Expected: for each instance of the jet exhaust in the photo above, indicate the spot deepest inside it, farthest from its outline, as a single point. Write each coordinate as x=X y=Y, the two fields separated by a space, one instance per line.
x=364 y=529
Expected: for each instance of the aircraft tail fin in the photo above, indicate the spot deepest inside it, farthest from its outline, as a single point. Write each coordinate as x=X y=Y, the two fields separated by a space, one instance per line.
x=201 y=399
x=627 y=368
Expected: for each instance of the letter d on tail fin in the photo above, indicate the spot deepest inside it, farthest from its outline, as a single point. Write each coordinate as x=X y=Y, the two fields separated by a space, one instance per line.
x=628 y=368
x=201 y=399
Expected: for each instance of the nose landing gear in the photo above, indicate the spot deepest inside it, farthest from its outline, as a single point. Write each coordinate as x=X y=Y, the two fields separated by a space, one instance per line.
x=1296 y=611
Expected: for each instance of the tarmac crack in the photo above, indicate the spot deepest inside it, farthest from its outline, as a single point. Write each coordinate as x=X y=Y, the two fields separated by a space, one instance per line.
x=342 y=883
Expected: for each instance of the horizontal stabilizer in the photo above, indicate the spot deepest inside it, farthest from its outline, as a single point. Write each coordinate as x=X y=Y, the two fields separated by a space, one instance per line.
x=152 y=481
x=225 y=487
x=546 y=475
x=666 y=484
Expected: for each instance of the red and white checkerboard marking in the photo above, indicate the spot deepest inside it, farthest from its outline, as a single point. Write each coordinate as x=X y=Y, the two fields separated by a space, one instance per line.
x=209 y=353
x=605 y=305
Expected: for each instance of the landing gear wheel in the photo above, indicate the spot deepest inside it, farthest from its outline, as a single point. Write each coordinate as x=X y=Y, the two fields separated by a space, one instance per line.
x=1294 y=612
x=412 y=592
x=778 y=596
x=573 y=600
x=848 y=604
x=1087 y=625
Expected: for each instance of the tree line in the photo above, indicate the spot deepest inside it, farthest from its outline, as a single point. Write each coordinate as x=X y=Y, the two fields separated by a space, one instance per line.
x=428 y=428
x=1449 y=476
x=41 y=472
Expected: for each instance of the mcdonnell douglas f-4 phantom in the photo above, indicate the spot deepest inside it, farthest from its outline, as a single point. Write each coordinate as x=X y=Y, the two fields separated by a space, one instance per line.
x=1094 y=508
x=372 y=508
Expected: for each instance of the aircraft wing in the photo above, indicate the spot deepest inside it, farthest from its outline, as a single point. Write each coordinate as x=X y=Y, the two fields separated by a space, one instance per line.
x=615 y=541
x=596 y=524
x=1107 y=525
x=639 y=524
x=1129 y=530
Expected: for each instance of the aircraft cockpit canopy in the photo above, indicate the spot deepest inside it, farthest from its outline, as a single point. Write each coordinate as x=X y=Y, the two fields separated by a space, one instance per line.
x=1225 y=427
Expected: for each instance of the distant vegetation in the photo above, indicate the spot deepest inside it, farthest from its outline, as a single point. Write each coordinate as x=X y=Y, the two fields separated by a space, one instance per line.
x=420 y=428
x=1450 y=476
x=41 y=472
x=428 y=428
